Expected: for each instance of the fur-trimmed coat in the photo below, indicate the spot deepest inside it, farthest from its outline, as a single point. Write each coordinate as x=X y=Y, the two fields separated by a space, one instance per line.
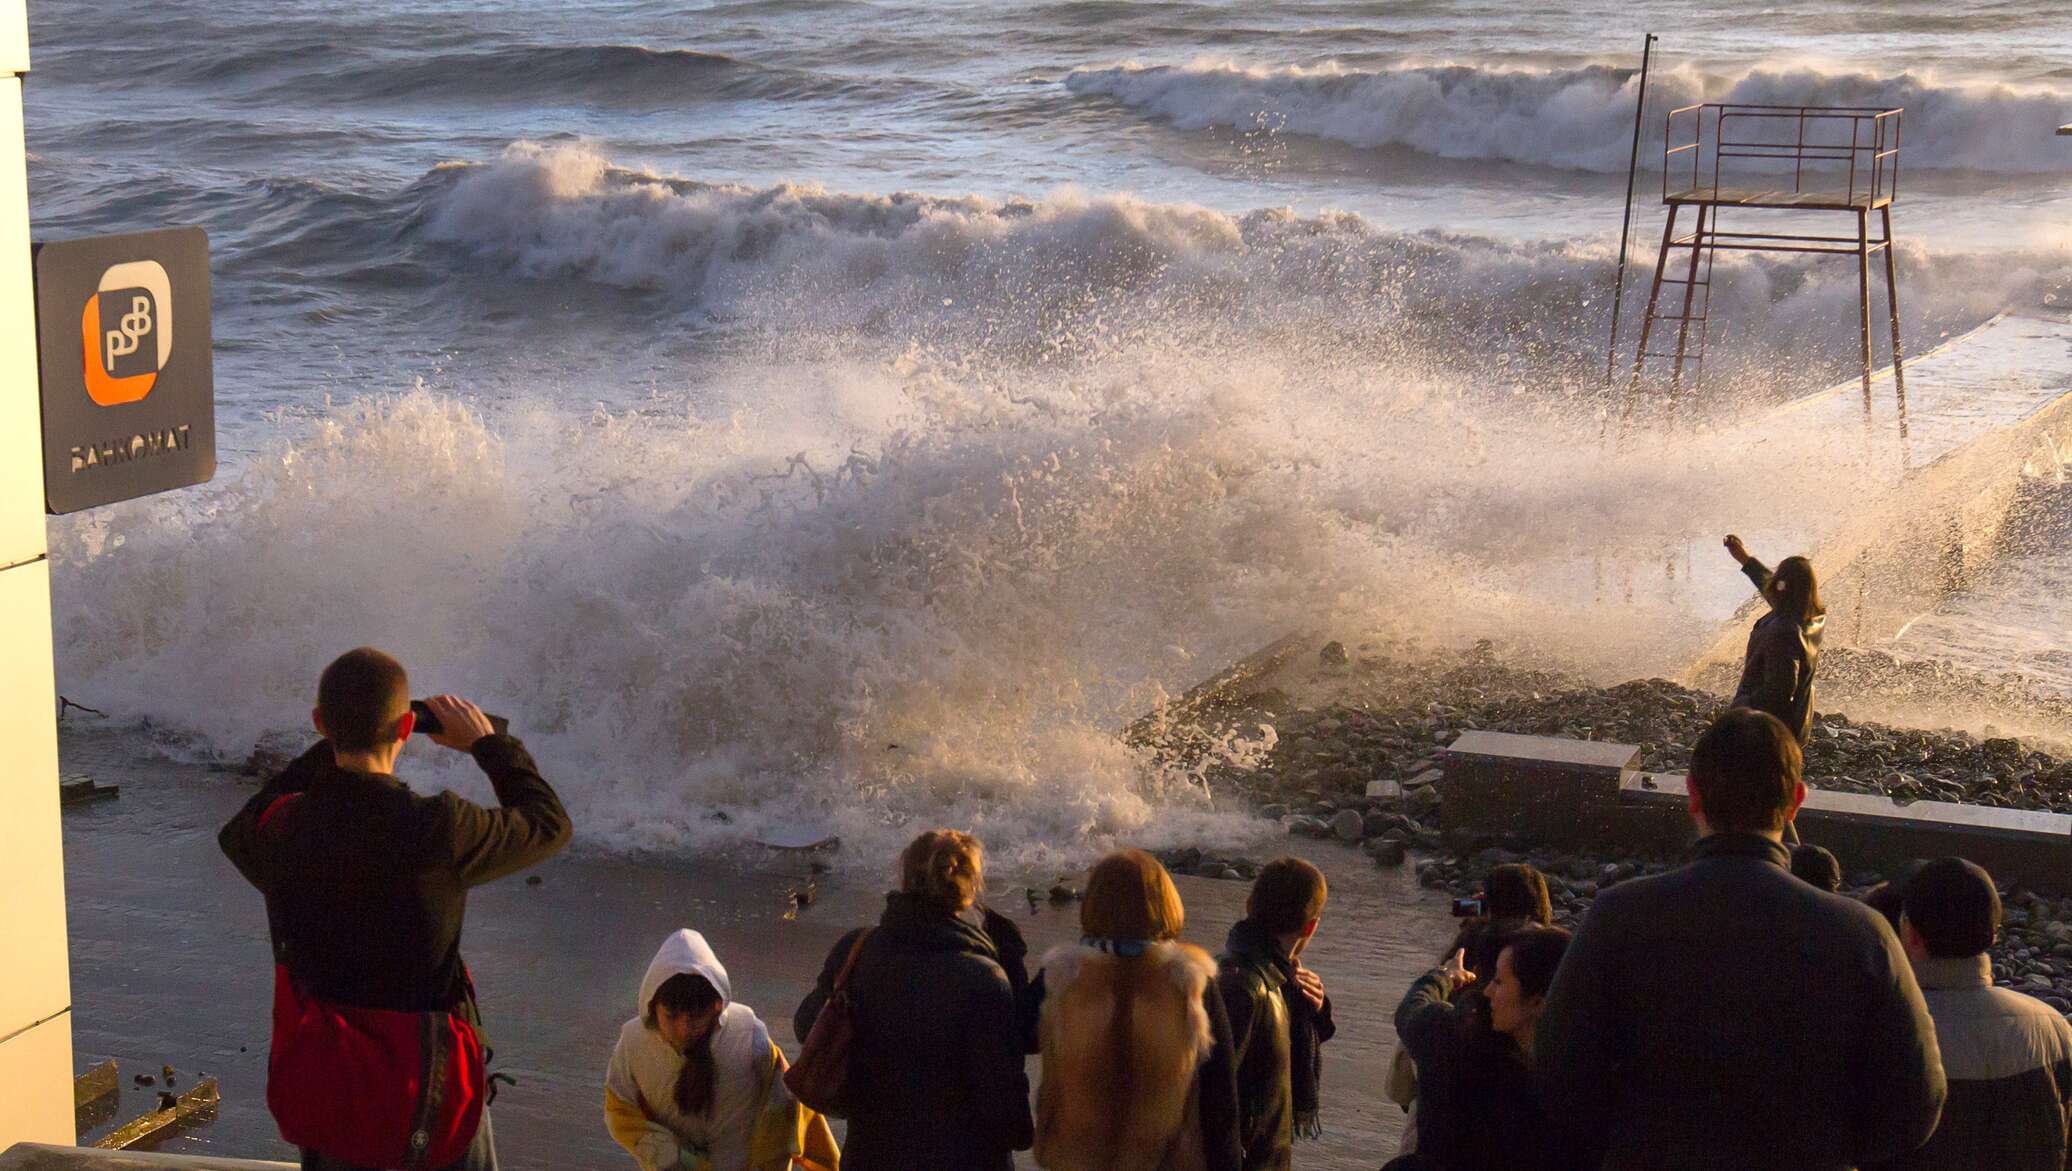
x=1172 y=1104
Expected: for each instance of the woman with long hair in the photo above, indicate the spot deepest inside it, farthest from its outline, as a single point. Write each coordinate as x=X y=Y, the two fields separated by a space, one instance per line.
x=935 y=1078
x=1478 y=1109
x=695 y=1081
x=1138 y=1071
x=1784 y=646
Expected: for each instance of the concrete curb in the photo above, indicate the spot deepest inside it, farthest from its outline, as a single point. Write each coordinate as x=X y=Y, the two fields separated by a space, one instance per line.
x=1580 y=794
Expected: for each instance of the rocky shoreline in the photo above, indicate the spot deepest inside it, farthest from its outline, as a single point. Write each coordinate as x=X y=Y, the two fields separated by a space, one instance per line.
x=1357 y=760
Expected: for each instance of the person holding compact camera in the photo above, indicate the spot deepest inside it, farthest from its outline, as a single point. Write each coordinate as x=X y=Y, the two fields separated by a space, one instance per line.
x=378 y=1059
x=1478 y=1109
x=1513 y=897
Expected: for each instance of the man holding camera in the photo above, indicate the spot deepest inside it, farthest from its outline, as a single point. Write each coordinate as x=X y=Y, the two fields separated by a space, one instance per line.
x=377 y=1058
x=1728 y=1015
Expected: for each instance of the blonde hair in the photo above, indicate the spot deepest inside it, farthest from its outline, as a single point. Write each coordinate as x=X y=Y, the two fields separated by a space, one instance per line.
x=1130 y=896
x=945 y=867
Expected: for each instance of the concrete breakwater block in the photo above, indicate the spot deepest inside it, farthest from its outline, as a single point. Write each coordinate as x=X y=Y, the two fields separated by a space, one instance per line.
x=2021 y=847
x=1545 y=789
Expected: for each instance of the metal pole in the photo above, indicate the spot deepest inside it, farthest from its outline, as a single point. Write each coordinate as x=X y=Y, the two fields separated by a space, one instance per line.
x=1611 y=352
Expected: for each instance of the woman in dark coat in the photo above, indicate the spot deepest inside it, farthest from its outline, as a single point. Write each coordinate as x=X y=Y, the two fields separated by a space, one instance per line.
x=936 y=1081
x=1477 y=1107
x=1784 y=646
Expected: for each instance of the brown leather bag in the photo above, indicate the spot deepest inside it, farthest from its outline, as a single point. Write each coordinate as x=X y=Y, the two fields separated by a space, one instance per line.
x=820 y=1078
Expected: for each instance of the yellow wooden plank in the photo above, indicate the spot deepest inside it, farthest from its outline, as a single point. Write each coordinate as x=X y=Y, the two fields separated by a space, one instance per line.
x=160 y=1123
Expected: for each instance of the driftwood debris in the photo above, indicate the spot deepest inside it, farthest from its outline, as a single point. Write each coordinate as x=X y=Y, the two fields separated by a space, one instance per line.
x=85 y=791
x=196 y=1105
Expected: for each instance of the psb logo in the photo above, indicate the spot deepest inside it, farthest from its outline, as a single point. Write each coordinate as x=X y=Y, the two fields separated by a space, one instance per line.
x=127 y=330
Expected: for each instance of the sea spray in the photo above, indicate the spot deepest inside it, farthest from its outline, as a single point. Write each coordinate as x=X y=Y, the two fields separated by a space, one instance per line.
x=893 y=592
x=959 y=488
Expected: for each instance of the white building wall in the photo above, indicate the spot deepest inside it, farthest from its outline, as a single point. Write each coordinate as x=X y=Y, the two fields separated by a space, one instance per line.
x=35 y=988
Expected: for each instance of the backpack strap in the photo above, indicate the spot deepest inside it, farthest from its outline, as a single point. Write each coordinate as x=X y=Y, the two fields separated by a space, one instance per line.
x=269 y=819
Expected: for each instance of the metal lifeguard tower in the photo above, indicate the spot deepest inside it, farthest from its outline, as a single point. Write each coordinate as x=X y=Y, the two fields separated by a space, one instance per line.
x=1806 y=159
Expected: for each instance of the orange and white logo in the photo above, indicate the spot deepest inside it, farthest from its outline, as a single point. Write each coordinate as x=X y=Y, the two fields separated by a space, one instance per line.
x=127 y=330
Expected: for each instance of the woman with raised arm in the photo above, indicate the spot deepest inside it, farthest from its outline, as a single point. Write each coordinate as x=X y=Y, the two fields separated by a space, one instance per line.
x=1784 y=646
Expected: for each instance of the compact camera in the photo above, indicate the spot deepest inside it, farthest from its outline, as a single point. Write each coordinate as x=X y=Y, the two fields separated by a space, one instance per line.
x=429 y=724
x=1468 y=908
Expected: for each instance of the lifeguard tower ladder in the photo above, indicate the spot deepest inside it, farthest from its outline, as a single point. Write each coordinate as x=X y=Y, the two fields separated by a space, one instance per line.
x=1716 y=155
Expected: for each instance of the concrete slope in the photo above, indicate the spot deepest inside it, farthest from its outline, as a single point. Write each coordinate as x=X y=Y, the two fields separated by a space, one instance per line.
x=1984 y=412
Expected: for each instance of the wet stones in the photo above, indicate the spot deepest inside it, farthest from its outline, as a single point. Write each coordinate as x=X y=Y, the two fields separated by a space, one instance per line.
x=1348 y=826
x=1190 y=860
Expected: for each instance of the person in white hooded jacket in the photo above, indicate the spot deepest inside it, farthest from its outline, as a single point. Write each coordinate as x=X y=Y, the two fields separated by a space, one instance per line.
x=696 y=1083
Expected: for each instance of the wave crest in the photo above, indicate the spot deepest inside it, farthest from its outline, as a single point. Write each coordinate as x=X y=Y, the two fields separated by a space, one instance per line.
x=1072 y=273
x=1580 y=118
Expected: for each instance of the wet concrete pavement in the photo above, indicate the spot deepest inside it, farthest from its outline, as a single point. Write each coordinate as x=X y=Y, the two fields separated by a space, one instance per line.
x=170 y=962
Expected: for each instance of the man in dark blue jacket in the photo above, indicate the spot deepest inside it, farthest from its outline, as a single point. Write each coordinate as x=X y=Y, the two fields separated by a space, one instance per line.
x=1726 y=1014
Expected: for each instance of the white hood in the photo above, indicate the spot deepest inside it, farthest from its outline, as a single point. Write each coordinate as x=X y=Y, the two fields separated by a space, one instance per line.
x=685 y=951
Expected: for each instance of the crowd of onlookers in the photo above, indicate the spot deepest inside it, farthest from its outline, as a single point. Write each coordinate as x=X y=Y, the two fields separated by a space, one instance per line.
x=1736 y=1012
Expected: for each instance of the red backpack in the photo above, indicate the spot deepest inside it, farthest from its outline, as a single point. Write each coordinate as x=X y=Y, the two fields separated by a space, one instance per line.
x=368 y=1086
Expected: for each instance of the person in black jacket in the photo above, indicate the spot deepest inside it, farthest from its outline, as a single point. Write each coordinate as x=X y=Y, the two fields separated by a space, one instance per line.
x=1279 y=1014
x=936 y=1080
x=366 y=882
x=1726 y=1014
x=1477 y=1107
x=1784 y=645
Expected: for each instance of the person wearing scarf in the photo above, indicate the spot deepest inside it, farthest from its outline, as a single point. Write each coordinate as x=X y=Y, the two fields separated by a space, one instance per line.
x=1137 y=1058
x=1279 y=1015
x=695 y=1082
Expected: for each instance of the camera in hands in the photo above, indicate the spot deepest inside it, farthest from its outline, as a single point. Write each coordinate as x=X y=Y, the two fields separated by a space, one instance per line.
x=428 y=724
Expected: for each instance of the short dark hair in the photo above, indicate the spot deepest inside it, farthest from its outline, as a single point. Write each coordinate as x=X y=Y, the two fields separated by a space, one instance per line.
x=1953 y=905
x=1535 y=956
x=360 y=697
x=1517 y=890
x=1286 y=896
x=1745 y=772
x=1817 y=866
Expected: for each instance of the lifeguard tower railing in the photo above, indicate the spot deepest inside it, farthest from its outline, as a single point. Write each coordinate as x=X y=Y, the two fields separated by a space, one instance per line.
x=1716 y=155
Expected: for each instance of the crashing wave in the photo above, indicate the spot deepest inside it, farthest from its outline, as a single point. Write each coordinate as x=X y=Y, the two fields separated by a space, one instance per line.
x=1580 y=118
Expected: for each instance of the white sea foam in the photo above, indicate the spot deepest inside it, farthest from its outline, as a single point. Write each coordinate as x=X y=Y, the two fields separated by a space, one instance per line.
x=997 y=479
x=1579 y=118
x=879 y=594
